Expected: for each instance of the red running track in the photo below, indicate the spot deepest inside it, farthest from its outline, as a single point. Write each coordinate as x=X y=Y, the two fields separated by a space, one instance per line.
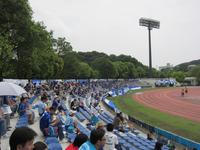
x=170 y=100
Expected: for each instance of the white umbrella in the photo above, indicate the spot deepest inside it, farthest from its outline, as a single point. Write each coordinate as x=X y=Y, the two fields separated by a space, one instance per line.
x=11 y=89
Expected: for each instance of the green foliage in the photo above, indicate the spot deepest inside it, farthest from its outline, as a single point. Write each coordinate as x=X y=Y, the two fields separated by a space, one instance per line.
x=61 y=46
x=195 y=72
x=125 y=70
x=45 y=63
x=88 y=57
x=132 y=71
x=156 y=73
x=71 y=66
x=15 y=18
x=184 y=66
x=166 y=73
x=6 y=55
x=125 y=58
x=105 y=67
x=85 y=71
x=141 y=72
x=178 y=75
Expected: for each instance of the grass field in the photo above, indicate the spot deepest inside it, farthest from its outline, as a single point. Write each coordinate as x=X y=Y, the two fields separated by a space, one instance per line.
x=174 y=124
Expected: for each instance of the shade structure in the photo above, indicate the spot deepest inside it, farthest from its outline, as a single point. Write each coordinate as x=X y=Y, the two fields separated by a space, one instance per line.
x=11 y=89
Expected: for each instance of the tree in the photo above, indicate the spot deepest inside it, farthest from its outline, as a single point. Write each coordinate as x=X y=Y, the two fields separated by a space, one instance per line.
x=123 y=69
x=141 y=72
x=6 y=55
x=71 y=66
x=61 y=46
x=89 y=57
x=85 y=71
x=45 y=63
x=105 y=68
x=16 y=21
x=178 y=75
x=195 y=72
x=132 y=71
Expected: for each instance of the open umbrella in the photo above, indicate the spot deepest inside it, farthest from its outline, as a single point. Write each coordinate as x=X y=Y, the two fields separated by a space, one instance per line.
x=11 y=89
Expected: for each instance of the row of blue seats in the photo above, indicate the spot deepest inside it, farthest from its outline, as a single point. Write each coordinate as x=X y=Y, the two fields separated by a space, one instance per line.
x=80 y=116
x=83 y=130
x=137 y=141
x=105 y=119
x=85 y=113
x=106 y=115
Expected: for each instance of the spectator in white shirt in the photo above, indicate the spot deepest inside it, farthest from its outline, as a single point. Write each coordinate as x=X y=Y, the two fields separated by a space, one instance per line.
x=111 y=138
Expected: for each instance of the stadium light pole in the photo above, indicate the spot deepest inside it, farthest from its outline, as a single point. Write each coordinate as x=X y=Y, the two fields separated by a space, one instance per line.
x=150 y=24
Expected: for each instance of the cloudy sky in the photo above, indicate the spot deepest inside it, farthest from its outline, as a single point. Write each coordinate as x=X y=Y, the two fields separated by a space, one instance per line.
x=112 y=27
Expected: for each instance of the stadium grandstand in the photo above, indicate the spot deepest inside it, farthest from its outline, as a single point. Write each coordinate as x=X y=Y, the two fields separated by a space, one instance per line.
x=59 y=110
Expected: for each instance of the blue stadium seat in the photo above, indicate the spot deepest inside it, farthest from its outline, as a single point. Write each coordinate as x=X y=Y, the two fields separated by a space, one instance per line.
x=80 y=116
x=127 y=146
x=84 y=113
x=71 y=137
x=141 y=147
x=50 y=140
x=122 y=141
x=54 y=146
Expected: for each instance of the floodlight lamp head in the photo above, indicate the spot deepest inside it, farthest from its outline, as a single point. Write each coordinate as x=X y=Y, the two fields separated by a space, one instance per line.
x=150 y=23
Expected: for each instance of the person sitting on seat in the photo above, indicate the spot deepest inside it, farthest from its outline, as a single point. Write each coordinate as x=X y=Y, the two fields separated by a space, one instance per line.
x=118 y=122
x=24 y=109
x=150 y=136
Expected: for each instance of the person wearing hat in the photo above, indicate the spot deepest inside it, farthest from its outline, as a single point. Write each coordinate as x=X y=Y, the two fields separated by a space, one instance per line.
x=100 y=125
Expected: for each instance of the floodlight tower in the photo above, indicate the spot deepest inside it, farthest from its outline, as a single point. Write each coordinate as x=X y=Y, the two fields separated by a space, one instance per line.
x=150 y=24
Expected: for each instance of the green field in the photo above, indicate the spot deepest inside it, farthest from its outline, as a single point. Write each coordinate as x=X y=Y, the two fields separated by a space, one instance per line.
x=174 y=124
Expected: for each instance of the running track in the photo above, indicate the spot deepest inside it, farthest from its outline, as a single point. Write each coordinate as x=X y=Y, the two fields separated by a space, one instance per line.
x=170 y=100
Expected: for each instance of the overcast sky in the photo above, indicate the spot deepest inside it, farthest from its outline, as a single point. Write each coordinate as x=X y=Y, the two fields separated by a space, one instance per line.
x=112 y=27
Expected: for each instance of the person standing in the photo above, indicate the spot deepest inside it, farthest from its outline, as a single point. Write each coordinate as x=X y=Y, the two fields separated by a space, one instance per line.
x=111 y=138
x=182 y=92
x=186 y=90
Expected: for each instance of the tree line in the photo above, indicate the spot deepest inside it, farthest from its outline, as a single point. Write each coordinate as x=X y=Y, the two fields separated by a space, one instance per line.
x=29 y=51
